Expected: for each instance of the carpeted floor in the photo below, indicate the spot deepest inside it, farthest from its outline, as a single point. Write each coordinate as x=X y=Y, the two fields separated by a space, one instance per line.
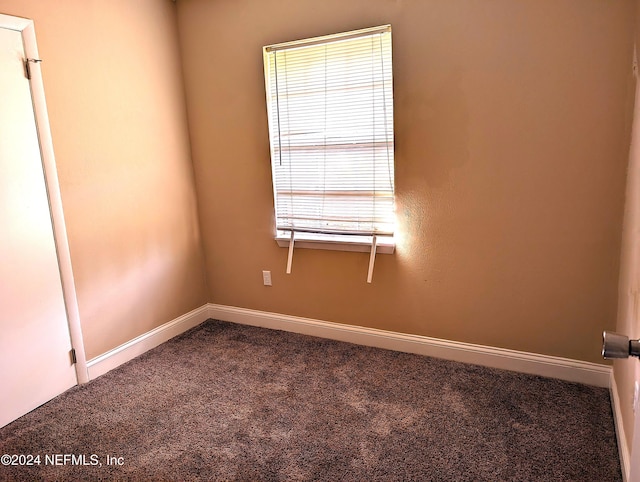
x=232 y=402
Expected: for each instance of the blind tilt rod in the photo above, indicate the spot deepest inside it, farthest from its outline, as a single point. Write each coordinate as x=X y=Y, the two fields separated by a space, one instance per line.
x=372 y=258
x=290 y=257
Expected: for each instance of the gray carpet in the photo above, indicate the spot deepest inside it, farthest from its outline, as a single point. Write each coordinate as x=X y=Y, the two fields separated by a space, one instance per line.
x=232 y=402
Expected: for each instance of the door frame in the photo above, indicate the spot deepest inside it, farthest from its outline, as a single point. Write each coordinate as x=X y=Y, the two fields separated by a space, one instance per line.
x=26 y=27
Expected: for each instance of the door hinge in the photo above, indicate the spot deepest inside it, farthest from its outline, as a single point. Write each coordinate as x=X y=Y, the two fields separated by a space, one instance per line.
x=72 y=353
x=27 y=67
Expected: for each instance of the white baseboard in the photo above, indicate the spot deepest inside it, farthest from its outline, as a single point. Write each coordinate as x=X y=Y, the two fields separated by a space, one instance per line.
x=108 y=361
x=623 y=448
x=543 y=365
x=532 y=363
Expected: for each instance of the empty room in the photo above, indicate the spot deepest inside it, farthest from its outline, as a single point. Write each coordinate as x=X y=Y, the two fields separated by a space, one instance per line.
x=320 y=240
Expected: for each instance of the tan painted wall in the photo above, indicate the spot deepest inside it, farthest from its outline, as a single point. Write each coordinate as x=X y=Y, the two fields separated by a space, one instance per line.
x=511 y=144
x=511 y=140
x=627 y=371
x=116 y=103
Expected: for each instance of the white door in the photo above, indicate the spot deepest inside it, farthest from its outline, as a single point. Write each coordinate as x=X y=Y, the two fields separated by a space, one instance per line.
x=35 y=363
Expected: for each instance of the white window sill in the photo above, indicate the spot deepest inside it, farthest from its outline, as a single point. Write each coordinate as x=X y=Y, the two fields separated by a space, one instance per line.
x=384 y=244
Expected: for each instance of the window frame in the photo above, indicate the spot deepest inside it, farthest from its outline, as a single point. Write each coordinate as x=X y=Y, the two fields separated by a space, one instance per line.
x=385 y=244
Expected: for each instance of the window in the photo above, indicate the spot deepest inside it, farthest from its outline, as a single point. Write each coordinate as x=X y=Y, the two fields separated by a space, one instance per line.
x=330 y=106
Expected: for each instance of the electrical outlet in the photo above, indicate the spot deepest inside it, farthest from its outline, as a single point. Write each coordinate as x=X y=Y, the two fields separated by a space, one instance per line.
x=636 y=394
x=266 y=278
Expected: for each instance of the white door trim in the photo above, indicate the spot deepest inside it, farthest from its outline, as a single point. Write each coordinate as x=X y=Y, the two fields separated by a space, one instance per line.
x=623 y=449
x=26 y=28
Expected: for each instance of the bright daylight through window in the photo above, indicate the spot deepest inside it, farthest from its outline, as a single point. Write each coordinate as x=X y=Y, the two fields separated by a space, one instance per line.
x=330 y=106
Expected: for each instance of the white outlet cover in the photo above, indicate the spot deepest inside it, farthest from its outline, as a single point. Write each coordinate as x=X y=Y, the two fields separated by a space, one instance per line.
x=636 y=394
x=266 y=278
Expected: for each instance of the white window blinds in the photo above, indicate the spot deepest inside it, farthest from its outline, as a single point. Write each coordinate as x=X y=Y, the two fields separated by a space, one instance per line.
x=330 y=105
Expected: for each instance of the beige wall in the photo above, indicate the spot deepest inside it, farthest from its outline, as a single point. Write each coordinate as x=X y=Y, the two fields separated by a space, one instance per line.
x=511 y=146
x=511 y=125
x=627 y=371
x=116 y=103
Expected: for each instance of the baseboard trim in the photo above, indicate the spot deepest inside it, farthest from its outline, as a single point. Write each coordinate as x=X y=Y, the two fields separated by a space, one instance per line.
x=623 y=448
x=113 y=358
x=524 y=362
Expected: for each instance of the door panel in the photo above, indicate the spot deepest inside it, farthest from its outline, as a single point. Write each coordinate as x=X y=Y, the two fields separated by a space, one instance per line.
x=34 y=335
